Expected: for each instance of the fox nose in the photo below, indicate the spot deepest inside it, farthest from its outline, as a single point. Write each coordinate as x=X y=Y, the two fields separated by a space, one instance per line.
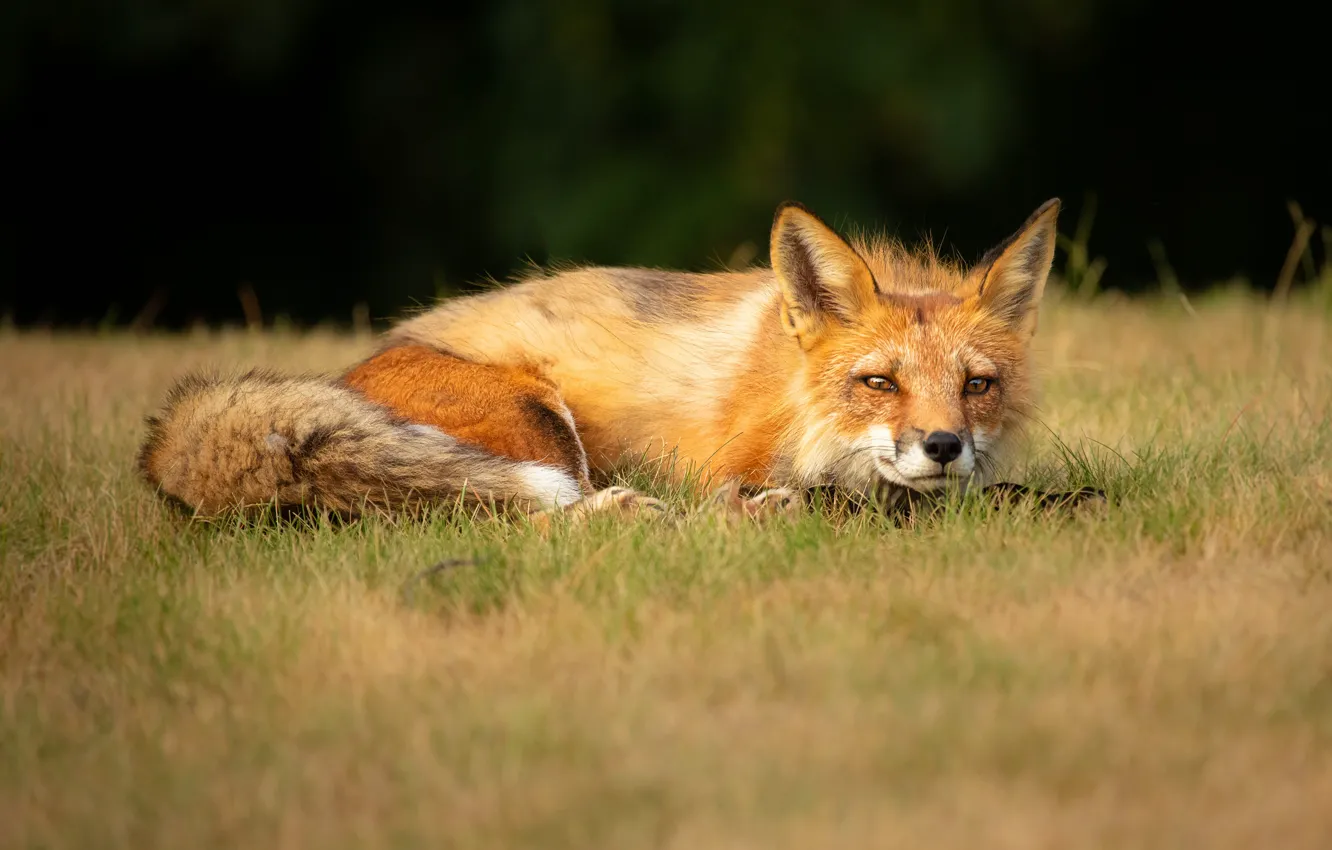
x=943 y=447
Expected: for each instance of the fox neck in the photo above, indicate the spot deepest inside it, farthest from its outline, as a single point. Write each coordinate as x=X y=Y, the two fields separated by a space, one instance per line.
x=806 y=447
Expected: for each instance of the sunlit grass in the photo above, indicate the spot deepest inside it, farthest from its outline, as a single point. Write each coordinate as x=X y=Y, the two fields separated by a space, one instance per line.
x=1156 y=677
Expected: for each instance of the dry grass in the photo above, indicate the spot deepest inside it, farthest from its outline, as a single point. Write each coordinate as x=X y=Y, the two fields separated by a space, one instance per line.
x=1161 y=677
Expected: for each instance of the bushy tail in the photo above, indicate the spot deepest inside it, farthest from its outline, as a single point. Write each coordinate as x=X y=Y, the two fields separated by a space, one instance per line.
x=222 y=444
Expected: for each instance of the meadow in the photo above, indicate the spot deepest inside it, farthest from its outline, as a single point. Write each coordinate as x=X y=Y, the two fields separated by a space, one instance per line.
x=1159 y=675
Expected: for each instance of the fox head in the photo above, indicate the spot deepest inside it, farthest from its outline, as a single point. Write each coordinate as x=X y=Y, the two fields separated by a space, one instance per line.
x=915 y=371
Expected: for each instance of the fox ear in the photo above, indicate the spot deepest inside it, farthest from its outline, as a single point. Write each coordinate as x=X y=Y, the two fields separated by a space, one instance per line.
x=1015 y=270
x=822 y=278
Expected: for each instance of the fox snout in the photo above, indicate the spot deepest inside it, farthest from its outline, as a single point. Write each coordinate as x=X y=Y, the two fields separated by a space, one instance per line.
x=927 y=460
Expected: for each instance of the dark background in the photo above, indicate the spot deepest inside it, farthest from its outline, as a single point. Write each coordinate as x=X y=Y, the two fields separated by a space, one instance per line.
x=164 y=155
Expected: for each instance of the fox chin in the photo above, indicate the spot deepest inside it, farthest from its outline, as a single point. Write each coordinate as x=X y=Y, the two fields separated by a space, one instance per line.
x=848 y=362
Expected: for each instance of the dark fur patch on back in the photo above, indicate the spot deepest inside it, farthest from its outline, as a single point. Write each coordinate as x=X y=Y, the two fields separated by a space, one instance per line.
x=657 y=296
x=543 y=308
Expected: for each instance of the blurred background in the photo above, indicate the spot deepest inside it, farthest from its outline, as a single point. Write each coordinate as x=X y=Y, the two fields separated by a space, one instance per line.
x=172 y=163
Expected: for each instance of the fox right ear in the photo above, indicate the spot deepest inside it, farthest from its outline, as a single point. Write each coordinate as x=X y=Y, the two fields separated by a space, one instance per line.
x=822 y=278
x=1014 y=271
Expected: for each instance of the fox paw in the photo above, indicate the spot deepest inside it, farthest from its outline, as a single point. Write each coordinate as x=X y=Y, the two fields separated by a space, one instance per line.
x=728 y=502
x=619 y=500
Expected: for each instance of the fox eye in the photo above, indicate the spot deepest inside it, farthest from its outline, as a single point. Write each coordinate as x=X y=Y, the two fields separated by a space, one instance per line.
x=878 y=382
x=977 y=386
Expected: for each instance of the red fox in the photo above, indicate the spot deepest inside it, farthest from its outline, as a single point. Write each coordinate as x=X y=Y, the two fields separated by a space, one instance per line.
x=853 y=364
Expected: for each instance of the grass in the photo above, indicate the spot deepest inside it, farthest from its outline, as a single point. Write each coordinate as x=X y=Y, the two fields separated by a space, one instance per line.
x=1159 y=677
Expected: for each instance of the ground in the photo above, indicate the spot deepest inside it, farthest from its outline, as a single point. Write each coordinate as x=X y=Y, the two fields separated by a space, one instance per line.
x=1160 y=676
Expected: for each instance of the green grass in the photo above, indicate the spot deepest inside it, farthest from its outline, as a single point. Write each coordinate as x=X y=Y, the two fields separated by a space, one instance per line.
x=1157 y=677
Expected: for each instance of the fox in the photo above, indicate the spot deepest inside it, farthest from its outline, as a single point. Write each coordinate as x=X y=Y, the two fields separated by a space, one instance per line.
x=846 y=362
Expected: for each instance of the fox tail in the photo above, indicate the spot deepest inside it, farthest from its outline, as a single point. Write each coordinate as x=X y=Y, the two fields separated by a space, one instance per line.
x=222 y=444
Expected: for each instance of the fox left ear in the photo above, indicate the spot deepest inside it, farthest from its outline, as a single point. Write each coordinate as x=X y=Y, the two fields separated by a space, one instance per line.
x=1015 y=270
x=822 y=278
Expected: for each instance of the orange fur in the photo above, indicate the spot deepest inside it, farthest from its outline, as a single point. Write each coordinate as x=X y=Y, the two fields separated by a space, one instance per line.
x=506 y=410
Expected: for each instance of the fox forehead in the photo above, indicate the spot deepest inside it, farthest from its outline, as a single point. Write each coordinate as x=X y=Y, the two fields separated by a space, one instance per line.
x=910 y=332
x=895 y=357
